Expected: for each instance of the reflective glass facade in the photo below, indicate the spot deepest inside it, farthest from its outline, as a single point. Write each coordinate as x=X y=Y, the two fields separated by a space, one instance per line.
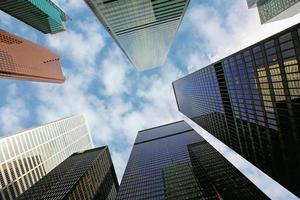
x=43 y=15
x=28 y=156
x=255 y=105
x=22 y=59
x=85 y=175
x=228 y=182
x=272 y=10
x=144 y=29
x=161 y=167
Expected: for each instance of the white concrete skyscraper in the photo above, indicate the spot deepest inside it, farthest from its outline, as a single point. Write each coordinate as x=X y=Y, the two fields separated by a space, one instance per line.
x=28 y=156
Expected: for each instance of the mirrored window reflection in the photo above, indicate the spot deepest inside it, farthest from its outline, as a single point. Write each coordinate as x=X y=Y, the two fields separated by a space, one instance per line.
x=261 y=99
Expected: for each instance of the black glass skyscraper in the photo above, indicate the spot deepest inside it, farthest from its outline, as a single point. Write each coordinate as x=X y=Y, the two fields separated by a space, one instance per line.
x=251 y=101
x=166 y=163
x=86 y=175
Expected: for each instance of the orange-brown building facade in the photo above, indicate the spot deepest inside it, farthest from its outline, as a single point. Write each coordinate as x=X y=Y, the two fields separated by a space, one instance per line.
x=22 y=59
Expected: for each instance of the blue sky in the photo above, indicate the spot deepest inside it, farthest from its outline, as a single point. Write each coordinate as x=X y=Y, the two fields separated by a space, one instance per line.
x=117 y=100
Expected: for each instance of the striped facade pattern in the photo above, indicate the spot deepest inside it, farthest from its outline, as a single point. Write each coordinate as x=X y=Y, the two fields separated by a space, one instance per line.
x=28 y=156
x=272 y=10
x=144 y=29
x=42 y=15
x=85 y=175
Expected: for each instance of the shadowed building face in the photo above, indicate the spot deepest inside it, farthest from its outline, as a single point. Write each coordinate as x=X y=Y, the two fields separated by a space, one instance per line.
x=172 y=162
x=87 y=175
x=251 y=102
x=144 y=30
x=22 y=59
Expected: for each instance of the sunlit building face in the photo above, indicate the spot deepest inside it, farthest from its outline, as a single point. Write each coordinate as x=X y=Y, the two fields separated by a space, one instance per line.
x=28 y=156
x=22 y=59
x=42 y=15
x=144 y=30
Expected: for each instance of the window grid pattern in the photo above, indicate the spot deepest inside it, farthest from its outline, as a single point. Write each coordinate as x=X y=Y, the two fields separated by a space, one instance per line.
x=43 y=15
x=180 y=182
x=161 y=168
x=28 y=156
x=143 y=177
x=272 y=8
x=22 y=59
x=205 y=106
x=85 y=175
x=144 y=29
x=203 y=103
x=98 y=182
x=209 y=165
x=262 y=107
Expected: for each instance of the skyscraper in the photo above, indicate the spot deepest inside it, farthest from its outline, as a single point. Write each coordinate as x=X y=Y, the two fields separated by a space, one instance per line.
x=272 y=10
x=85 y=175
x=250 y=100
x=144 y=30
x=22 y=59
x=28 y=156
x=43 y=15
x=211 y=167
x=165 y=164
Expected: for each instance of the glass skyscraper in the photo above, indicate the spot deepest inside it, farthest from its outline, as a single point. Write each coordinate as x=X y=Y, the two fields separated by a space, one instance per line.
x=22 y=59
x=28 y=156
x=167 y=162
x=43 y=15
x=143 y=29
x=272 y=10
x=251 y=101
x=87 y=175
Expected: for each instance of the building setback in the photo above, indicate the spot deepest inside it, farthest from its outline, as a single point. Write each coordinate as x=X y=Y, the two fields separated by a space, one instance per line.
x=273 y=10
x=144 y=30
x=251 y=101
x=22 y=59
x=164 y=164
x=28 y=156
x=42 y=15
x=85 y=175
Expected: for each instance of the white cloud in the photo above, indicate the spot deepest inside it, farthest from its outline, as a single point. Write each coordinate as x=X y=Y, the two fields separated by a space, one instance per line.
x=13 y=112
x=197 y=60
x=120 y=162
x=130 y=101
x=58 y=101
x=70 y=6
x=113 y=73
x=81 y=46
x=225 y=31
x=158 y=105
x=111 y=114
